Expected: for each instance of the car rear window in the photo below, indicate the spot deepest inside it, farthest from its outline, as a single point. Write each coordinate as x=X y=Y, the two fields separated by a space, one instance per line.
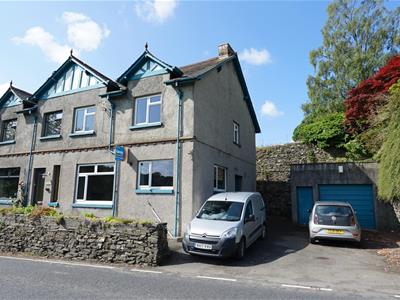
x=340 y=215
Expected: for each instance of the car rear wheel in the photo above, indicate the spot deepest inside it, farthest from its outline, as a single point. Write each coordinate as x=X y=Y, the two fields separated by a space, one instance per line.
x=241 y=249
x=312 y=240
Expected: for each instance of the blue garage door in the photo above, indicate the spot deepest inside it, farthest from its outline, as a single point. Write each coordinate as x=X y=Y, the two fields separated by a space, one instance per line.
x=304 y=203
x=360 y=196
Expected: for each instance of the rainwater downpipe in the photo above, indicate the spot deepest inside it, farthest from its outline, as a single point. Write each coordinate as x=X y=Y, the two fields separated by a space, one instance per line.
x=111 y=124
x=28 y=180
x=178 y=161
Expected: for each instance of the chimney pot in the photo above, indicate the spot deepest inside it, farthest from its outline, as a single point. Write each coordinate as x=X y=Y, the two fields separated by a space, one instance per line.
x=225 y=50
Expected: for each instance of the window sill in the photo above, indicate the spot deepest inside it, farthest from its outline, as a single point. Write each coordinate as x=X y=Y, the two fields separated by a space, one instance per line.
x=83 y=133
x=90 y=205
x=53 y=204
x=143 y=126
x=5 y=202
x=50 y=137
x=7 y=142
x=154 y=191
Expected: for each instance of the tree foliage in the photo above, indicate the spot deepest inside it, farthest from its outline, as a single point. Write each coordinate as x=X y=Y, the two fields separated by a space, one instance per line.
x=325 y=131
x=389 y=155
x=364 y=101
x=358 y=37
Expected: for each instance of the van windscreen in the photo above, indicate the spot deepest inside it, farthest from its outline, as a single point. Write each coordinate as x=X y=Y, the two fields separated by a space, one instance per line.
x=221 y=211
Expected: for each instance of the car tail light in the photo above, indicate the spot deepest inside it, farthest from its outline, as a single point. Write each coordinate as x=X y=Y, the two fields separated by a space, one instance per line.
x=315 y=219
x=353 y=221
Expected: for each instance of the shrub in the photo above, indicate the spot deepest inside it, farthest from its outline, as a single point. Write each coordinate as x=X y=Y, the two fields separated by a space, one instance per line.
x=325 y=131
x=117 y=220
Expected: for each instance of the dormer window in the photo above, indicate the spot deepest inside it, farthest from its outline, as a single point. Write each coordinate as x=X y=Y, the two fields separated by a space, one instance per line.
x=9 y=129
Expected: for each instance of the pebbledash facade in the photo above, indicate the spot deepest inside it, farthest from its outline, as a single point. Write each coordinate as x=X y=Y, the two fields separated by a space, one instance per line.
x=187 y=133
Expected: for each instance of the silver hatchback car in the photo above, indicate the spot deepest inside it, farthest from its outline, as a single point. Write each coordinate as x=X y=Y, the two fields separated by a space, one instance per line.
x=334 y=220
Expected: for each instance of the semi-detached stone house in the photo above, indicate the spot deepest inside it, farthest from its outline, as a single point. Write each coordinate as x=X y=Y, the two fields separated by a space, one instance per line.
x=187 y=132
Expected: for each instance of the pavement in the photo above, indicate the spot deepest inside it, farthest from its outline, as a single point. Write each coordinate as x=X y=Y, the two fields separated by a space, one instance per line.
x=284 y=266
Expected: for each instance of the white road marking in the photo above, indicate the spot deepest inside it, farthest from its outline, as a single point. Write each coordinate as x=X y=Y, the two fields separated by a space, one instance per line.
x=58 y=262
x=217 y=278
x=397 y=296
x=306 y=287
x=146 y=271
x=296 y=286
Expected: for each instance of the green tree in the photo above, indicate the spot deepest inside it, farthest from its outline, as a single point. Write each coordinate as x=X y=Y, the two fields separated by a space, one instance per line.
x=358 y=37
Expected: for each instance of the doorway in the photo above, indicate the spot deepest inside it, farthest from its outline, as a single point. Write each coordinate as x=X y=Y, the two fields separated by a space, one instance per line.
x=55 y=183
x=38 y=186
x=238 y=183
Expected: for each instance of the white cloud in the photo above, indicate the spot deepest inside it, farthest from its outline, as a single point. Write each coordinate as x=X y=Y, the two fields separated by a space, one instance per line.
x=156 y=10
x=82 y=32
x=255 y=57
x=3 y=88
x=37 y=36
x=269 y=109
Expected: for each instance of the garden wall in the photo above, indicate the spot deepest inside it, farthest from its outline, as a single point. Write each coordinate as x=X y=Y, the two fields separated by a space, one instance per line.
x=273 y=172
x=84 y=239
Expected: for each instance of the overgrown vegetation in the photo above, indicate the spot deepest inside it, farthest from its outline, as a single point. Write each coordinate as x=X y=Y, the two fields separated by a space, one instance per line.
x=358 y=38
x=33 y=212
x=389 y=154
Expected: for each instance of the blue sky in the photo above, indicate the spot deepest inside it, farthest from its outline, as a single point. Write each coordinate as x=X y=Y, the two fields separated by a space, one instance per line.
x=272 y=38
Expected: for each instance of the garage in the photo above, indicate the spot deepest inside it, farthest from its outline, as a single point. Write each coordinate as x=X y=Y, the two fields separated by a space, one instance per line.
x=360 y=196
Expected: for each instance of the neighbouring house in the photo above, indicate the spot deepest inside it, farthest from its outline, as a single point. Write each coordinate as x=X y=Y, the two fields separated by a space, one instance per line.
x=187 y=133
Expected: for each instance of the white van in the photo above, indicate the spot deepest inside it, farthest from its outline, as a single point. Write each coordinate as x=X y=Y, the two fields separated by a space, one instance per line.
x=226 y=225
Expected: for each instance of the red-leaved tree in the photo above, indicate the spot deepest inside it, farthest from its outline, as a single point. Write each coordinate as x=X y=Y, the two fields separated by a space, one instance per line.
x=364 y=101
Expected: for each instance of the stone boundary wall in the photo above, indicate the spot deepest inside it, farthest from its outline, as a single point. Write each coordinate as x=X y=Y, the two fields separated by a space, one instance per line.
x=84 y=239
x=273 y=172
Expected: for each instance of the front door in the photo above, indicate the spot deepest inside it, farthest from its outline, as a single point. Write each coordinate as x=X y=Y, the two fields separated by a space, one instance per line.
x=249 y=225
x=38 y=186
x=238 y=183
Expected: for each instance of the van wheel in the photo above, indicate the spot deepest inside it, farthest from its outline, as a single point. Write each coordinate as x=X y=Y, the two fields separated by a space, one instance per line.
x=312 y=241
x=263 y=232
x=241 y=249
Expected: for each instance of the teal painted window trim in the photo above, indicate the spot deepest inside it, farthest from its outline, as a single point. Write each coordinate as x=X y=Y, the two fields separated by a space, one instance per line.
x=50 y=137
x=7 y=142
x=148 y=74
x=90 y=87
x=90 y=205
x=142 y=126
x=154 y=191
x=5 y=202
x=75 y=134
x=53 y=204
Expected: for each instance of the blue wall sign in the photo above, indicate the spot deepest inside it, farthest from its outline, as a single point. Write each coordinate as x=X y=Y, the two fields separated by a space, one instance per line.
x=119 y=153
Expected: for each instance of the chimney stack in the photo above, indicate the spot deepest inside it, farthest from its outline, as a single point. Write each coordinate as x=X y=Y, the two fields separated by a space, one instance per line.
x=225 y=50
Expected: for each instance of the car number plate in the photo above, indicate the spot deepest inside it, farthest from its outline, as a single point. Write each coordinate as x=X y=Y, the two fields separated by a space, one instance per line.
x=202 y=246
x=334 y=231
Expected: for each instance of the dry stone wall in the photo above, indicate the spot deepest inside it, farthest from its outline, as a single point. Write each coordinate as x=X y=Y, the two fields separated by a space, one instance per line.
x=273 y=172
x=84 y=239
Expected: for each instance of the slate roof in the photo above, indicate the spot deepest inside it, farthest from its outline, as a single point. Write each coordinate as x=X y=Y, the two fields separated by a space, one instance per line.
x=199 y=68
x=21 y=94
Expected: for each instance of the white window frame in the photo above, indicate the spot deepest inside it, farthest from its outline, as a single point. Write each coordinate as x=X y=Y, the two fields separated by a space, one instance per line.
x=46 y=121
x=10 y=176
x=3 y=131
x=148 y=104
x=85 y=114
x=236 y=133
x=149 y=186
x=86 y=175
x=216 y=168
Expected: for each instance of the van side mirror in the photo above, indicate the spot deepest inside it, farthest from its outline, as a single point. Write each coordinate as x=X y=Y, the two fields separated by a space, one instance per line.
x=250 y=218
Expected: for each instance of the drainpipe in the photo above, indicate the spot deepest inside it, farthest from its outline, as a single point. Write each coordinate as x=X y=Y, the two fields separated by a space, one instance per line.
x=178 y=161
x=111 y=124
x=28 y=180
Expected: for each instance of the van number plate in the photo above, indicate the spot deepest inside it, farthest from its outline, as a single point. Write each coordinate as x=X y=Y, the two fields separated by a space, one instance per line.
x=202 y=246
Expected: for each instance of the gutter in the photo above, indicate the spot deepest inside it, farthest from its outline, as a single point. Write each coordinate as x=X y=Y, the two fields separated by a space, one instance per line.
x=113 y=94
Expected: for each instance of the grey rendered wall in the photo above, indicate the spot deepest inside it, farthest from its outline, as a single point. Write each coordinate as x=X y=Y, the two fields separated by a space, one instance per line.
x=150 y=86
x=218 y=102
x=327 y=173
